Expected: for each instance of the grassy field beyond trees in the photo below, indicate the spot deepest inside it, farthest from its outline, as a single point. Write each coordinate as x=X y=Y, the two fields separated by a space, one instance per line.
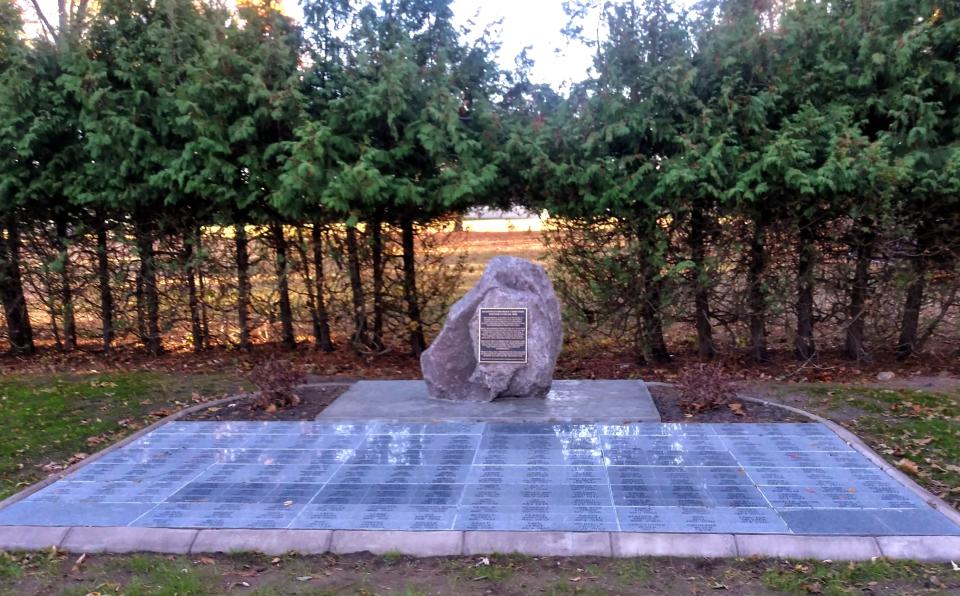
x=736 y=178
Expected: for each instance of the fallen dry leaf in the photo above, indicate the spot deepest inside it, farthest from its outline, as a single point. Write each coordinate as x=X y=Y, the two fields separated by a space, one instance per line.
x=908 y=466
x=737 y=408
x=78 y=564
x=206 y=561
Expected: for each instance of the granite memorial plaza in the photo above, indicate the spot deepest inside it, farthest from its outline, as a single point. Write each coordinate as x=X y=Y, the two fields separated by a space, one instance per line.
x=489 y=454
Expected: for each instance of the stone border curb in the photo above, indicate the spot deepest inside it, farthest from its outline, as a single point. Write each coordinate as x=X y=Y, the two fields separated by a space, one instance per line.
x=379 y=542
x=268 y=542
x=939 y=549
x=474 y=543
x=544 y=544
x=31 y=537
x=128 y=540
x=642 y=544
x=843 y=548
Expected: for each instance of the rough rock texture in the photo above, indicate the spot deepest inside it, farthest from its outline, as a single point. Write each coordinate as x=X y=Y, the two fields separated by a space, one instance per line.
x=450 y=365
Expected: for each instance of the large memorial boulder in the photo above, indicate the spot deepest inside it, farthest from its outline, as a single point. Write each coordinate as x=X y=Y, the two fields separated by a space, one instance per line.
x=500 y=340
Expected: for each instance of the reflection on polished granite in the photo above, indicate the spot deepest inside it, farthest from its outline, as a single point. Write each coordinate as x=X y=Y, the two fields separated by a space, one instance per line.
x=643 y=477
x=596 y=400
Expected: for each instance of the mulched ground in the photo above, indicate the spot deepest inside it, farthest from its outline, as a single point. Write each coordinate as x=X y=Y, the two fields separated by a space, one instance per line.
x=313 y=400
x=322 y=390
x=668 y=403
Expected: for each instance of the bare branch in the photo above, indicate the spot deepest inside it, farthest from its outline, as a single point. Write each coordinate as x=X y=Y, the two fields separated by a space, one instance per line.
x=48 y=29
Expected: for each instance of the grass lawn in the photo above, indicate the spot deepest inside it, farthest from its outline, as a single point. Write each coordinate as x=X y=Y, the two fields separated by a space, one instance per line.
x=50 y=421
x=47 y=421
x=242 y=573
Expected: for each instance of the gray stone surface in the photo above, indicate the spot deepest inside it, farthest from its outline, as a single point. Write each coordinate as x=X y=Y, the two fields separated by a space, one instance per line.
x=608 y=401
x=30 y=537
x=418 y=544
x=268 y=542
x=632 y=544
x=921 y=548
x=543 y=544
x=846 y=548
x=451 y=367
x=128 y=540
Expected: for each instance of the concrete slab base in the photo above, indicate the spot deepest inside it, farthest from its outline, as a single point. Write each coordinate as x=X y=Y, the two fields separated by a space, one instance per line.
x=635 y=544
x=934 y=549
x=30 y=537
x=418 y=544
x=543 y=544
x=608 y=401
x=128 y=540
x=845 y=548
x=268 y=542
x=474 y=543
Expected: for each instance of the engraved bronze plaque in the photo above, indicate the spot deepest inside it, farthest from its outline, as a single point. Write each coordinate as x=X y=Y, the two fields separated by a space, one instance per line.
x=503 y=335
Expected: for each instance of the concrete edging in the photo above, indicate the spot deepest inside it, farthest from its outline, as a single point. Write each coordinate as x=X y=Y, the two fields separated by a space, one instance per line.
x=475 y=543
x=268 y=542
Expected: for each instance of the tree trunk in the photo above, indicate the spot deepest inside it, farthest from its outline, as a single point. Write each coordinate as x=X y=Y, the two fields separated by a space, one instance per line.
x=701 y=288
x=283 y=286
x=11 y=292
x=196 y=328
x=311 y=287
x=654 y=345
x=804 y=344
x=907 y=344
x=204 y=319
x=149 y=293
x=865 y=239
x=103 y=278
x=54 y=314
x=141 y=313
x=66 y=291
x=360 y=337
x=243 y=285
x=376 y=237
x=417 y=342
x=323 y=318
x=757 y=299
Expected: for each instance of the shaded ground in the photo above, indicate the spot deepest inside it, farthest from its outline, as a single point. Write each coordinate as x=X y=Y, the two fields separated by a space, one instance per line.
x=313 y=400
x=60 y=573
x=315 y=397
x=671 y=410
